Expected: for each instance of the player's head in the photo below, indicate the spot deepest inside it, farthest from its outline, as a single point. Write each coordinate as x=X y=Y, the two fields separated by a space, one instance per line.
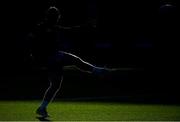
x=53 y=15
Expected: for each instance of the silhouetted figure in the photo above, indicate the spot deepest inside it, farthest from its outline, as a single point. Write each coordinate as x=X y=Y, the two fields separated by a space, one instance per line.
x=44 y=51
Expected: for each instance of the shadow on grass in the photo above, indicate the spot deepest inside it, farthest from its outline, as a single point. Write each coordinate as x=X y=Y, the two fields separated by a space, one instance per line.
x=43 y=119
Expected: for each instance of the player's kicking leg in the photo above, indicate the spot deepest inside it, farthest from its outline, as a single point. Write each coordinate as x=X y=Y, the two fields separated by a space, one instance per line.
x=55 y=76
x=69 y=59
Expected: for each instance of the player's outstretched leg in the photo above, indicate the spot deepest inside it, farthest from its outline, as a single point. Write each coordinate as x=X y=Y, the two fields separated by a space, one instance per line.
x=69 y=59
x=55 y=76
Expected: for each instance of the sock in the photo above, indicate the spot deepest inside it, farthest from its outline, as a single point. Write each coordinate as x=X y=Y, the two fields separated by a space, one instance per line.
x=98 y=70
x=44 y=104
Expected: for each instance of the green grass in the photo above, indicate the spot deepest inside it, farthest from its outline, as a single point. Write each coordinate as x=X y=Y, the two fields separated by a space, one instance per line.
x=24 y=110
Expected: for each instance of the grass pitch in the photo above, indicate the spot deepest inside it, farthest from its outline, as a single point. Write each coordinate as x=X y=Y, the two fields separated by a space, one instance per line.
x=89 y=111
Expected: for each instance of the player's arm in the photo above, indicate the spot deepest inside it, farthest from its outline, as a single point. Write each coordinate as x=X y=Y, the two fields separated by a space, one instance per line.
x=69 y=28
x=90 y=23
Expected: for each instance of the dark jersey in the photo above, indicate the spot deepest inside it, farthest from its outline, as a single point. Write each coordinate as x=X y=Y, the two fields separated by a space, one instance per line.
x=45 y=39
x=44 y=42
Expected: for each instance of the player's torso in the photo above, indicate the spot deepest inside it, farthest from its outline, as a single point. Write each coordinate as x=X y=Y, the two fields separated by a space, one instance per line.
x=45 y=43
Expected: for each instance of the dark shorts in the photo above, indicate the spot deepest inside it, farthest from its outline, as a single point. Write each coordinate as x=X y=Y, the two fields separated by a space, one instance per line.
x=56 y=62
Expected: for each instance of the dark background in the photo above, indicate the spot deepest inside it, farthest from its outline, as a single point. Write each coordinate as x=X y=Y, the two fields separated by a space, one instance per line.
x=131 y=33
